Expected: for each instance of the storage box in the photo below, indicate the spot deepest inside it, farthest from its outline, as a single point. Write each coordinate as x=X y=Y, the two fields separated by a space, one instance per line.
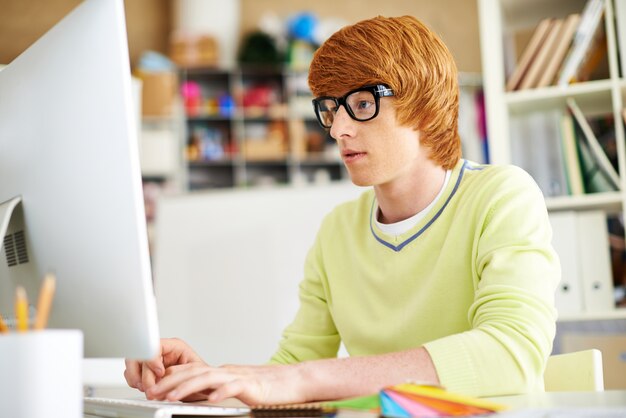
x=266 y=149
x=194 y=50
x=613 y=348
x=159 y=92
x=159 y=151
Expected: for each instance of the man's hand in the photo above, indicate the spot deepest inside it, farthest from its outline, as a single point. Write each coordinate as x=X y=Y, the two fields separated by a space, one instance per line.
x=253 y=385
x=173 y=352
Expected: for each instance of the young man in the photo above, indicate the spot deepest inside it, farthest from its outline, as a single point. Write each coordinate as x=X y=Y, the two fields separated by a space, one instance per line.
x=443 y=272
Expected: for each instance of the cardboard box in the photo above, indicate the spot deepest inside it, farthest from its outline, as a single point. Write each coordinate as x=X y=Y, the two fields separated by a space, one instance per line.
x=613 y=348
x=159 y=92
x=266 y=149
x=194 y=50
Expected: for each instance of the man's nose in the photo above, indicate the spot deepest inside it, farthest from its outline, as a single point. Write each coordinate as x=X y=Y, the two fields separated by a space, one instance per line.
x=342 y=123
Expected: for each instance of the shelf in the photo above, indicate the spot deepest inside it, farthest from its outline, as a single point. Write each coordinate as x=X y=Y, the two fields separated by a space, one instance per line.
x=266 y=162
x=618 y=313
x=527 y=13
x=611 y=202
x=212 y=163
x=268 y=102
x=210 y=118
x=554 y=96
x=320 y=161
x=532 y=128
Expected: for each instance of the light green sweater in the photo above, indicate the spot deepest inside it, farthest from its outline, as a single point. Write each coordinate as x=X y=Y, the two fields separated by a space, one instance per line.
x=473 y=282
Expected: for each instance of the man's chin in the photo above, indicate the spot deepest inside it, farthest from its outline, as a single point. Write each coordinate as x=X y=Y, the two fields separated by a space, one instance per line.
x=361 y=182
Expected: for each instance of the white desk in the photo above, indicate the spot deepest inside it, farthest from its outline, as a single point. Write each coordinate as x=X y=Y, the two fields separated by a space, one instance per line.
x=607 y=404
x=560 y=399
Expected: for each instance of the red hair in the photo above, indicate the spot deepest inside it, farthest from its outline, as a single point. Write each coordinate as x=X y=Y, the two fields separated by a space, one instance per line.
x=404 y=54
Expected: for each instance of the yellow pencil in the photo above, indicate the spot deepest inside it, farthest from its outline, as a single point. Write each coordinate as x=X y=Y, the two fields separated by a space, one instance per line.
x=21 y=309
x=46 y=293
x=3 y=326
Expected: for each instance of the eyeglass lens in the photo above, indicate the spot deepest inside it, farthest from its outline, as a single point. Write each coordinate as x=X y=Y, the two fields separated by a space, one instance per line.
x=361 y=105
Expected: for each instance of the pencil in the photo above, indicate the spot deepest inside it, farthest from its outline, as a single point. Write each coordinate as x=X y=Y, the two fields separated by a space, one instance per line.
x=21 y=309
x=46 y=293
x=3 y=326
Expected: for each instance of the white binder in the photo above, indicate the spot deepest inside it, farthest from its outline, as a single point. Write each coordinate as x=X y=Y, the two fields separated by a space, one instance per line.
x=569 y=294
x=595 y=261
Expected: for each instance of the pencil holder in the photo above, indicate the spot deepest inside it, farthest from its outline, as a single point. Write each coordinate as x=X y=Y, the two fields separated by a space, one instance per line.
x=41 y=374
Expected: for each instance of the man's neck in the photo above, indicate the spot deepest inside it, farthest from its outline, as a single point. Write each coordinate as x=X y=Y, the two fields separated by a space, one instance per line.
x=402 y=198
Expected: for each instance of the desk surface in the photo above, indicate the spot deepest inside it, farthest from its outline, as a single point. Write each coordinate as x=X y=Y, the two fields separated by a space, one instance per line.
x=607 y=404
x=613 y=398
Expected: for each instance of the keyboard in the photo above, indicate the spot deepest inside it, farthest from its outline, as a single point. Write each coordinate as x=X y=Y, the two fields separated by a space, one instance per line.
x=143 y=408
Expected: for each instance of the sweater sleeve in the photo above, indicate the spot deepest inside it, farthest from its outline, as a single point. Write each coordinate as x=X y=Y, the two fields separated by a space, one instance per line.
x=312 y=335
x=512 y=316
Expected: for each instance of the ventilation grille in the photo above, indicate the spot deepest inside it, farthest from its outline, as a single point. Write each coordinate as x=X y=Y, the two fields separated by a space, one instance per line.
x=15 y=249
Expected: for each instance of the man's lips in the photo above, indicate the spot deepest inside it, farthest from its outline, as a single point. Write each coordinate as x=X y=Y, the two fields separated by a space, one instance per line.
x=352 y=156
x=351 y=153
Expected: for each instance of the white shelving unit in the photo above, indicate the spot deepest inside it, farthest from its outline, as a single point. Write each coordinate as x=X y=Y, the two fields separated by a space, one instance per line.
x=500 y=21
x=299 y=149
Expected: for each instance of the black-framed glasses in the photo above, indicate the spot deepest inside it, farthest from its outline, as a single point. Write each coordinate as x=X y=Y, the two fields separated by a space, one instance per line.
x=362 y=104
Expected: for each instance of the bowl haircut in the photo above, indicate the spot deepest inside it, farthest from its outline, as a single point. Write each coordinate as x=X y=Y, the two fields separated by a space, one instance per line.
x=404 y=54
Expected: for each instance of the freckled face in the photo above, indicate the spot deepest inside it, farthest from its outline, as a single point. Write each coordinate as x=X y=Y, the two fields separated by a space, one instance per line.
x=378 y=151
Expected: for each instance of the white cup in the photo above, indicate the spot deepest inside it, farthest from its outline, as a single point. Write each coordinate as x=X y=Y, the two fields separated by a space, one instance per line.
x=40 y=374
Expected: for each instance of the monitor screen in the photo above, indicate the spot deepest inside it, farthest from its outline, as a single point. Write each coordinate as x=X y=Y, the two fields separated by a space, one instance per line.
x=69 y=153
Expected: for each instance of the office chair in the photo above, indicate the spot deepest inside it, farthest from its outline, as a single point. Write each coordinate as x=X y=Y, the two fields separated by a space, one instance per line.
x=577 y=371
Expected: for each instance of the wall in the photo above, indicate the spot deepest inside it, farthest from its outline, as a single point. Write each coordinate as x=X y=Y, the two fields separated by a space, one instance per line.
x=456 y=21
x=148 y=21
x=22 y=22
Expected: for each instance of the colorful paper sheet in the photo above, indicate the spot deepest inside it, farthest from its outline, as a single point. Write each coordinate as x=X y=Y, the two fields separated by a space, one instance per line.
x=424 y=401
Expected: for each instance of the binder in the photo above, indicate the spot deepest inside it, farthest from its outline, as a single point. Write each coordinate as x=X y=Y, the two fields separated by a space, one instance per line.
x=569 y=294
x=595 y=261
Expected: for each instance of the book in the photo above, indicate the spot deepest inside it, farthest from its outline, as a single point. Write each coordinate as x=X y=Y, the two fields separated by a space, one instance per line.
x=619 y=10
x=563 y=43
x=539 y=64
x=571 y=161
x=603 y=126
x=536 y=147
x=529 y=53
x=591 y=150
x=472 y=140
x=596 y=52
x=588 y=29
x=593 y=178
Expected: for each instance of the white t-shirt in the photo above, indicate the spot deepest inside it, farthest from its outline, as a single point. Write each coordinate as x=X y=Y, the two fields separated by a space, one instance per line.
x=401 y=227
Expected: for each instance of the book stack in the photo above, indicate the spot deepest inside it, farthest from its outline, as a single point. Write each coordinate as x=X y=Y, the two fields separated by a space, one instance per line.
x=562 y=50
x=566 y=152
x=587 y=165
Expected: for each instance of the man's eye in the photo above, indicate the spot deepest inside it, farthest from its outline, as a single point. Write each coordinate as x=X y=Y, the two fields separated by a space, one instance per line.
x=363 y=105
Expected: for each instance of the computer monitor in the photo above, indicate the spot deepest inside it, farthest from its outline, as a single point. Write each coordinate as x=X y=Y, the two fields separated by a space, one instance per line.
x=69 y=152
